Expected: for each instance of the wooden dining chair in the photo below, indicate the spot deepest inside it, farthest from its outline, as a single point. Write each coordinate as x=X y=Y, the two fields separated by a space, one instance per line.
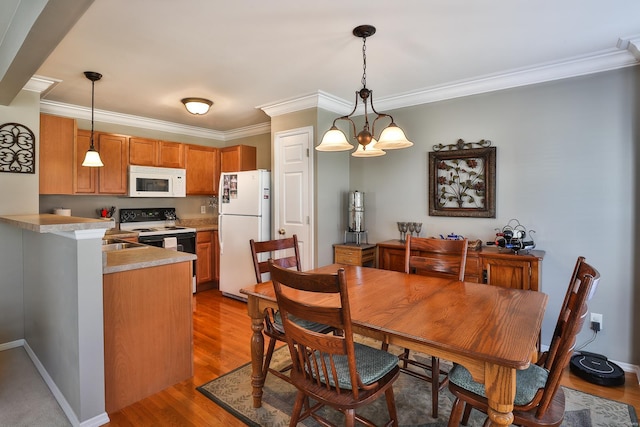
x=441 y=258
x=289 y=258
x=329 y=369
x=539 y=398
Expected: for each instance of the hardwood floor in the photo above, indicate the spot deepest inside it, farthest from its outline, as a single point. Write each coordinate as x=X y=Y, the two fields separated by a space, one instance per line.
x=221 y=343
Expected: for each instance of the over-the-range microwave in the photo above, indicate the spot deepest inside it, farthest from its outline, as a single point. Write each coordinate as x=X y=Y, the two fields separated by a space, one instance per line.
x=148 y=181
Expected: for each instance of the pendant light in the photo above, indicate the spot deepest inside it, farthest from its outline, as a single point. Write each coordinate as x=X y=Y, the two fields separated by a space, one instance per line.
x=392 y=137
x=92 y=158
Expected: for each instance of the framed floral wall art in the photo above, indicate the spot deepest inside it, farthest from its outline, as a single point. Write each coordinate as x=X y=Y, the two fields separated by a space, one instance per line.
x=462 y=180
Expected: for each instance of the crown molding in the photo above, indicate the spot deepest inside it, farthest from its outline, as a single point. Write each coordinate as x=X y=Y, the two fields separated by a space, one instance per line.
x=319 y=99
x=626 y=54
x=573 y=67
x=79 y=112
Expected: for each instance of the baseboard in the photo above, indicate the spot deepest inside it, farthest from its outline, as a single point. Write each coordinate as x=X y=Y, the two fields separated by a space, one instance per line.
x=11 y=344
x=57 y=394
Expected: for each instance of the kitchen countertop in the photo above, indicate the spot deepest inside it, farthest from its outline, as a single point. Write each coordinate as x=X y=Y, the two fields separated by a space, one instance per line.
x=50 y=223
x=141 y=257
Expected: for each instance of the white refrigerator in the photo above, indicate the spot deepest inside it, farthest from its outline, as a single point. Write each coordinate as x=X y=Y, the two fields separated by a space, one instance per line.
x=244 y=213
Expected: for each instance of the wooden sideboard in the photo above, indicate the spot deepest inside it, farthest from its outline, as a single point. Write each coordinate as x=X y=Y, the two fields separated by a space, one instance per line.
x=487 y=265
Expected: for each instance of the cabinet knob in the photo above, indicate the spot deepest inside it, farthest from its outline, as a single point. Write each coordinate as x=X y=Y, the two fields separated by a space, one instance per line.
x=282 y=232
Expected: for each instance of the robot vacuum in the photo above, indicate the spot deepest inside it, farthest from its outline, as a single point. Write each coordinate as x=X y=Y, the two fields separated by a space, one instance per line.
x=596 y=369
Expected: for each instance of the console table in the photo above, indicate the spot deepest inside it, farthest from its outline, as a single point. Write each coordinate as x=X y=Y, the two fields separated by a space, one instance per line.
x=488 y=265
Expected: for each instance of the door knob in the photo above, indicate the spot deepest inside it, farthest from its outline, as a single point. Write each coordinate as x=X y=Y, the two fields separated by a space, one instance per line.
x=282 y=231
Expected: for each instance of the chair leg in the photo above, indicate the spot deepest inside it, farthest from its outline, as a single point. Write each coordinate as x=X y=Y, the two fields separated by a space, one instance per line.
x=467 y=413
x=297 y=409
x=267 y=359
x=349 y=417
x=435 y=385
x=456 y=413
x=391 y=406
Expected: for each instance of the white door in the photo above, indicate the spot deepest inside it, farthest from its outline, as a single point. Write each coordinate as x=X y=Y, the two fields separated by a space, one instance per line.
x=293 y=189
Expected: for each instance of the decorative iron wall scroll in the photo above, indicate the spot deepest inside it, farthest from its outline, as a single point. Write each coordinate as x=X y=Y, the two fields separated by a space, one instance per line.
x=17 y=149
x=462 y=179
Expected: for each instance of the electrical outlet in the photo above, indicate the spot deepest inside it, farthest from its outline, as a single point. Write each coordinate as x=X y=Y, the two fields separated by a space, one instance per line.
x=203 y=209
x=597 y=318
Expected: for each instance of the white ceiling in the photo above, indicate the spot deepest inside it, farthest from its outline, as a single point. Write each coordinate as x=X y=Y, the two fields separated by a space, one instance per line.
x=247 y=54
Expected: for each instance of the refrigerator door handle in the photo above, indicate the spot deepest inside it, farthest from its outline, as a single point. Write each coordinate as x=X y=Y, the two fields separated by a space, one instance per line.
x=220 y=228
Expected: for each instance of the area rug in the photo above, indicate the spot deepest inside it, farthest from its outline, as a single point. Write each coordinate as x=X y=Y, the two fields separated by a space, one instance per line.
x=232 y=391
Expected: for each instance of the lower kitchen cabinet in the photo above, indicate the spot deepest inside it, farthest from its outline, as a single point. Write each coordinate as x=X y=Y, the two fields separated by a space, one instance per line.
x=148 y=332
x=207 y=265
x=488 y=265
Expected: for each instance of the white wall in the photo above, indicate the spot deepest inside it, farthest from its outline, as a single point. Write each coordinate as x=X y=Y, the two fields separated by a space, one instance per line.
x=565 y=168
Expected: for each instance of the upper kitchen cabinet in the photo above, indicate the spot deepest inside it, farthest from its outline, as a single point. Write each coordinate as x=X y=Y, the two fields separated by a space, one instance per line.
x=238 y=158
x=57 y=148
x=151 y=152
x=110 y=178
x=114 y=152
x=203 y=169
x=86 y=178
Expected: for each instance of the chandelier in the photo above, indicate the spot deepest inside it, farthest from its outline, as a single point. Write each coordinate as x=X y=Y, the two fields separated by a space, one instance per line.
x=391 y=137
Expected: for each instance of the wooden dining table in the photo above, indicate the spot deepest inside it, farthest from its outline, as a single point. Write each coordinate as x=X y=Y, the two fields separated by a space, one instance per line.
x=490 y=330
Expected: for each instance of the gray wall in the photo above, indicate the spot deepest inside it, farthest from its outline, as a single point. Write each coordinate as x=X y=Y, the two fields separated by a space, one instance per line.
x=566 y=167
x=19 y=195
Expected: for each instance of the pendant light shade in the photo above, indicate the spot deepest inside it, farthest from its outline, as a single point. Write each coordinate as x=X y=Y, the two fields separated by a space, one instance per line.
x=92 y=158
x=392 y=137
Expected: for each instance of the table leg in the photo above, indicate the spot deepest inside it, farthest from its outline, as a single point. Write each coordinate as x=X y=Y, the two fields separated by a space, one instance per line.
x=500 y=387
x=257 y=349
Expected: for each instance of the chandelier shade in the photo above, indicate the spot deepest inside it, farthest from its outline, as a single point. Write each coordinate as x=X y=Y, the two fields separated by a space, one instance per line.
x=392 y=137
x=370 y=150
x=92 y=158
x=334 y=140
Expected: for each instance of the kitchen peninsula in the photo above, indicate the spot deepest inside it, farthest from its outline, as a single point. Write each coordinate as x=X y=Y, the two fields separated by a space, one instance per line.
x=69 y=314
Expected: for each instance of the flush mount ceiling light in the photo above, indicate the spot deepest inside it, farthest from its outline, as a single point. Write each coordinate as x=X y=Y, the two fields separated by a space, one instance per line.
x=392 y=137
x=197 y=106
x=92 y=158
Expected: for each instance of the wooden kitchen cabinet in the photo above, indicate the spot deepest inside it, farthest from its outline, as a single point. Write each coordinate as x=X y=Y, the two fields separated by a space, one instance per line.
x=216 y=258
x=143 y=151
x=171 y=154
x=86 y=179
x=488 y=265
x=204 y=252
x=238 y=158
x=208 y=264
x=110 y=178
x=151 y=152
x=57 y=149
x=148 y=332
x=203 y=169
x=114 y=152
